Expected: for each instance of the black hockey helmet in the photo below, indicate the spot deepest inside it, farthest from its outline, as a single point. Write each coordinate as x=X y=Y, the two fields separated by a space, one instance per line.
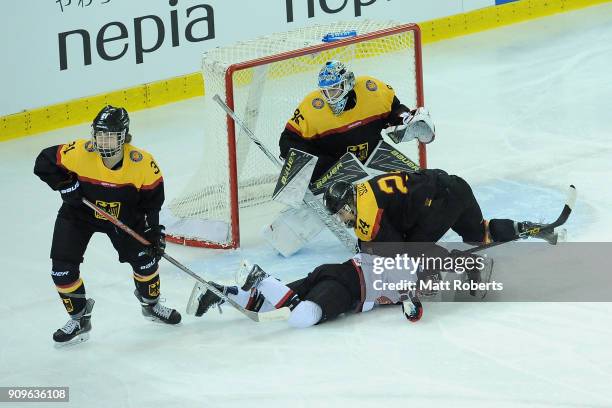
x=340 y=195
x=112 y=119
x=110 y=123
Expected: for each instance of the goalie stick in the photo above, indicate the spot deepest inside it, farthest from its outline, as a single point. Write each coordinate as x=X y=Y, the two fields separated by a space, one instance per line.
x=278 y=314
x=570 y=201
x=313 y=203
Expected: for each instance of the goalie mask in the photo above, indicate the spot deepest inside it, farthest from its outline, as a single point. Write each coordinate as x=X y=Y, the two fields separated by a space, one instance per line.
x=335 y=82
x=109 y=131
x=339 y=199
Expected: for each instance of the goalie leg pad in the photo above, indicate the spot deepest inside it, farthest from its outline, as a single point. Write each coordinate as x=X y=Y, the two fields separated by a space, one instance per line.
x=292 y=229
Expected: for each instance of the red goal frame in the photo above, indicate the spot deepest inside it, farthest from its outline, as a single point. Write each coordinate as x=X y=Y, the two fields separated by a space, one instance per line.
x=231 y=126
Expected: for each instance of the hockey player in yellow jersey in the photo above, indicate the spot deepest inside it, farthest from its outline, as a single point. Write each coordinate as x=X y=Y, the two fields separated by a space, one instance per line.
x=125 y=181
x=418 y=207
x=346 y=114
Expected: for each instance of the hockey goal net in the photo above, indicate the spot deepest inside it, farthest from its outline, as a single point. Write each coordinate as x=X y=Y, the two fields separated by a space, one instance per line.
x=263 y=80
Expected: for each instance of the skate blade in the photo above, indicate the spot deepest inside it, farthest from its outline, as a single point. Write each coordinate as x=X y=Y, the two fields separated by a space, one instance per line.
x=81 y=338
x=243 y=271
x=558 y=235
x=561 y=234
x=157 y=320
x=153 y=319
x=193 y=302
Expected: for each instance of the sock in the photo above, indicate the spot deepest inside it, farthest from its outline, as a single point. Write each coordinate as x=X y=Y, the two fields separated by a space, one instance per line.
x=305 y=314
x=70 y=286
x=277 y=293
x=148 y=286
x=252 y=300
x=242 y=298
x=73 y=297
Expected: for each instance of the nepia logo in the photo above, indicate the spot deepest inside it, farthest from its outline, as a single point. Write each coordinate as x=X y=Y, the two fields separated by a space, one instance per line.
x=116 y=31
x=325 y=8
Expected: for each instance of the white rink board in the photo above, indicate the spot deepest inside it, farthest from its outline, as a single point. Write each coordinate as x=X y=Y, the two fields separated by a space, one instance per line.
x=30 y=42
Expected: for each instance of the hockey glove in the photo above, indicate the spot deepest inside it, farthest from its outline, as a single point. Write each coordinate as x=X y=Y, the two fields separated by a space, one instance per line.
x=416 y=125
x=156 y=236
x=71 y=194
x=411 y=306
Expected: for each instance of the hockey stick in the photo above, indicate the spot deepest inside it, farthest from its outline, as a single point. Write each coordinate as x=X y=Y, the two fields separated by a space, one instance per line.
x=278 y=314
x=315 y=205
x=570 y=201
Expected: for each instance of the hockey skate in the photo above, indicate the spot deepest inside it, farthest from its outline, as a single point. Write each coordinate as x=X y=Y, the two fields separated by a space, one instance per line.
x=480 y=275
x=77 y=329
x=153 y=310
x=202 y=299
x=428 y=284
x=528 y=229
x=253 y=275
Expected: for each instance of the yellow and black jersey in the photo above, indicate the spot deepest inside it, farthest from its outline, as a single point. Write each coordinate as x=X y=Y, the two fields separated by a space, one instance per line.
x=315 y=129
x=389 y=205
x=132 y=191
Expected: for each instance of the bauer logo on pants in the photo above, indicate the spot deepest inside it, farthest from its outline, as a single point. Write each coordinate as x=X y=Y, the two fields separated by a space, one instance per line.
x=113 y=208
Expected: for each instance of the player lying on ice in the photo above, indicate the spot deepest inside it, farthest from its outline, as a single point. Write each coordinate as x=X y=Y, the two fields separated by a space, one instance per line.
x=394 y=207
x=419 y=207
x=327 y=292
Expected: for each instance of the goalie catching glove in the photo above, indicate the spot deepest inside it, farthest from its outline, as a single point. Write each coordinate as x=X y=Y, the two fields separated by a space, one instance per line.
x=416 y=125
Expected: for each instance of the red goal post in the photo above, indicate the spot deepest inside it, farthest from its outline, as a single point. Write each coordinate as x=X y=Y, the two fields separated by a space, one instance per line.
x=263 y=80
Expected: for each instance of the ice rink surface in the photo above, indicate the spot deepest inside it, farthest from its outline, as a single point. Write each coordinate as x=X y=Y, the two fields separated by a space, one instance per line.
x=521 y=112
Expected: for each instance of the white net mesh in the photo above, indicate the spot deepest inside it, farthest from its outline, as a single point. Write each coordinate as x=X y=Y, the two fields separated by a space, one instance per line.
x=265 y=97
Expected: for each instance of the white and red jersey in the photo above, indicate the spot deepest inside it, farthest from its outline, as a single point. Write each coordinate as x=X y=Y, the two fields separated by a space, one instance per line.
x=383 y=280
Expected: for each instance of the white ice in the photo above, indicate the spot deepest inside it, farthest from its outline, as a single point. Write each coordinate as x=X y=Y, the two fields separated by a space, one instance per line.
x=521 y=112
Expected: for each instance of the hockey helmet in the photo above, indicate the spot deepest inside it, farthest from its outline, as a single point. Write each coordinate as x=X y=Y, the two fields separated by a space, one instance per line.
x=109 y=130
x=339 y=199
x=336 y=80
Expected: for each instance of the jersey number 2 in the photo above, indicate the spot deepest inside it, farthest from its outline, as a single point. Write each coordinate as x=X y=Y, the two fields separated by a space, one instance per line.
x=392 y=184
